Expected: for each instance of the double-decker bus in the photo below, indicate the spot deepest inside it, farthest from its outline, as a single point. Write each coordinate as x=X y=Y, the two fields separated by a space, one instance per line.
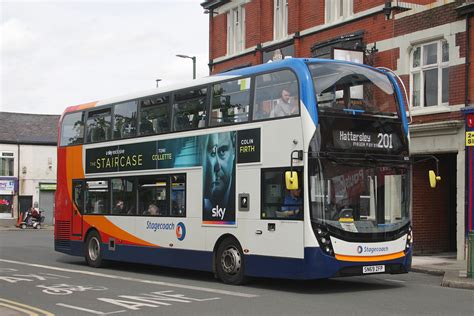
x=292 y=169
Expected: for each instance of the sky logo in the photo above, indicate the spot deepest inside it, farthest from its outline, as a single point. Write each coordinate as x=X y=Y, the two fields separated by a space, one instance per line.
x=180 y=231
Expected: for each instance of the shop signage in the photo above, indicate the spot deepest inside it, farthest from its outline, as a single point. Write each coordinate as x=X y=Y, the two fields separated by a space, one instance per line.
x=7 y=187
x=47 y=186
x=469 y=139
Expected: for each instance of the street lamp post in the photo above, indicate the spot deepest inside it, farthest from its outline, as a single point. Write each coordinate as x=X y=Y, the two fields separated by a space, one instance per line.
x=193 y=58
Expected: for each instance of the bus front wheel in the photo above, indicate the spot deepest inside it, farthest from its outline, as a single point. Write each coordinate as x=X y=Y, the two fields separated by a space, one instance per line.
x=93 y=251
x=230 y=262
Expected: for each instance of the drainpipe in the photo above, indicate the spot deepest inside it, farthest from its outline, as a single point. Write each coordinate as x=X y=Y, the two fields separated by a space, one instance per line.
x=468 y=59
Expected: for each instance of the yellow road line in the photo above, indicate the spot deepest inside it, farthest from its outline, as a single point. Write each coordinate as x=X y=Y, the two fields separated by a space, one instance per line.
x=25 y=311
x=28 y=308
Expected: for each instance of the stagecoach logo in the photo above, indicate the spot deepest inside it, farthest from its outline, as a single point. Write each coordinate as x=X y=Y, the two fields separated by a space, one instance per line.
x=180 y=231
x=371 y=250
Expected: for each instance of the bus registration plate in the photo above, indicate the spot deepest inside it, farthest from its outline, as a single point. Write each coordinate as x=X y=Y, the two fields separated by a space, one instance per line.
x=373 y=269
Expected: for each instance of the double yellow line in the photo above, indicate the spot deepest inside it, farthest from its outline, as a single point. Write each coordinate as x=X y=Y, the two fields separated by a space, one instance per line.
x=22 y=308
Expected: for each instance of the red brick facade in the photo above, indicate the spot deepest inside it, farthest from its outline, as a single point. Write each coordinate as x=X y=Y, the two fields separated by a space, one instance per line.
x=306 y=19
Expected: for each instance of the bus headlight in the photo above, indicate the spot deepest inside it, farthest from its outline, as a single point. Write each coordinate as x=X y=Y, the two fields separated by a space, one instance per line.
x=324 y=240
x=409 y=239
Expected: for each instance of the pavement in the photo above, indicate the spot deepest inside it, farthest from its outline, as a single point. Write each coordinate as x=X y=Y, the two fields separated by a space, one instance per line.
x=454 y=271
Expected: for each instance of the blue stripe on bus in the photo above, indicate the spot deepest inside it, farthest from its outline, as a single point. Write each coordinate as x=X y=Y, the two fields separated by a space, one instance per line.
x=315 y=265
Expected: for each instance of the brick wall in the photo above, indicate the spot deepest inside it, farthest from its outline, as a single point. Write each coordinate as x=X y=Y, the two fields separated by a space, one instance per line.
x=251 y=58
x=219 y=38
x=311 y=13
x=362 y=5
x=252 y=23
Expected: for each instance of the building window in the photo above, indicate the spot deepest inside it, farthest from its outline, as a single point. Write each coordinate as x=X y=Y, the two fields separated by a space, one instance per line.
x=6 y=164
x=429 y=74
x=338 y=10
x=235 y=30
x=280 y=18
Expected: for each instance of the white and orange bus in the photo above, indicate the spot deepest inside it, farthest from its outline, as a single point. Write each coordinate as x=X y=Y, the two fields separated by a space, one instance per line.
x=293 y=169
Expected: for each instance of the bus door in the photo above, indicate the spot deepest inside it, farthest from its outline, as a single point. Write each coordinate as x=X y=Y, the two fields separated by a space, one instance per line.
x=279 y=232
x=77 y=207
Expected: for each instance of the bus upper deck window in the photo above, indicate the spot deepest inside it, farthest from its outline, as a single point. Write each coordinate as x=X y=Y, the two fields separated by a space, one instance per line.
x=99 y=126
x=155 y=115
x=276 y=95
x=72 y=131
x=189 y=109
x=230 y=102
x=125 y=120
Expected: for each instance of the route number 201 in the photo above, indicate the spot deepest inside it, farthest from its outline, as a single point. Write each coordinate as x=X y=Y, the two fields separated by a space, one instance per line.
x=385 y=140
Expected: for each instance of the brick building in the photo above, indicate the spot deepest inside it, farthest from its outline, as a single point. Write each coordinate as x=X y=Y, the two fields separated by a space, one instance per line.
x=428 y=43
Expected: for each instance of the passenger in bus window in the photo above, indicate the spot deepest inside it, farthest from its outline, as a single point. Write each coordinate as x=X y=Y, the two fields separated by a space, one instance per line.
x=219 y=186
x=119 y=207
x=285 y=106
x=292 y=205
x=152 y=210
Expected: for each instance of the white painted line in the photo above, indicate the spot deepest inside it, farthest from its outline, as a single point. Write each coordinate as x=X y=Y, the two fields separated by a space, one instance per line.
x=82 y=309
x=118 y=277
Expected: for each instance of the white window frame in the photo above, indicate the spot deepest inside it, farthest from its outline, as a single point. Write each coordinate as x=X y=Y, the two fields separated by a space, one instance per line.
x=280 y=19
x=338 y=10
x=421 y=69
x=235 y=30
x=8 y=155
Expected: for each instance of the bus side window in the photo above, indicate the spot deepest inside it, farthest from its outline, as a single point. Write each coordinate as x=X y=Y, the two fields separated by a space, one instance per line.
x=72 y=130
x=96 y=195
x=78 y=193
x=230 y=102
x=178 y=195
x=155 y=115
x=99 y=125
x=153 y=196
x=277 y=201
x=125 y=120
x=276 y=95
x=189 y=109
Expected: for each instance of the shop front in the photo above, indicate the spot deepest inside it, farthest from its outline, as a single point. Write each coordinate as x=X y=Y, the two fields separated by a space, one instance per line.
x=7 y=197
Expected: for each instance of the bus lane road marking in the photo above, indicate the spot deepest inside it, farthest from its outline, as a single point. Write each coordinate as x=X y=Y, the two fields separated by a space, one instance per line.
x=26 y=309
x=118 y=277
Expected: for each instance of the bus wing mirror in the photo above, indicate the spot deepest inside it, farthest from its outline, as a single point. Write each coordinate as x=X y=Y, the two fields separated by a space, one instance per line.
x=433 y=179
x=291 y=180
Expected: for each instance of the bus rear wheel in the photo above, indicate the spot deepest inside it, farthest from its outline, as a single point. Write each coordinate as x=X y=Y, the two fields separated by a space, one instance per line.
x=93 y=251
x=230 y=262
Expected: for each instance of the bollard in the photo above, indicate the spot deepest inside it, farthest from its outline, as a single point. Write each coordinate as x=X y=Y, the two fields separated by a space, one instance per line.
x=470 y=255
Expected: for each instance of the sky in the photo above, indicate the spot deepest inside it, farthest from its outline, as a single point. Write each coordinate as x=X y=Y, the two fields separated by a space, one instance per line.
x=55 y=54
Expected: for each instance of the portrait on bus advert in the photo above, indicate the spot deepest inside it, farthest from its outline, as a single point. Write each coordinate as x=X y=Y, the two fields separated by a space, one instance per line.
x=219 y=178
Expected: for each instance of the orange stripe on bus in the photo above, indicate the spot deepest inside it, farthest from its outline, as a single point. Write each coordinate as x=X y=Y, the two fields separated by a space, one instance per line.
x=74 y=168
x=370 y=258
x=109 y=228
x=87 y=105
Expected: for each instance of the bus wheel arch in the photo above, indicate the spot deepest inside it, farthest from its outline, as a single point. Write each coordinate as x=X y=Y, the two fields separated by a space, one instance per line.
x=93 y=249
x=228 y=260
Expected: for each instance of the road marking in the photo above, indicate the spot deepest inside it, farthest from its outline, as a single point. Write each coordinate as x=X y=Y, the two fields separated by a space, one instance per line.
x=89 y=310
x=118 y=277
x=24 y=308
